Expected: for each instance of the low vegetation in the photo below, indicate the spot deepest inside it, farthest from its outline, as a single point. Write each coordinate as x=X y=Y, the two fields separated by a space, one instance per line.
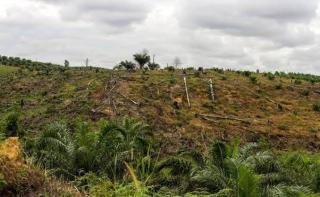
x=131 y=131
x=122 y=158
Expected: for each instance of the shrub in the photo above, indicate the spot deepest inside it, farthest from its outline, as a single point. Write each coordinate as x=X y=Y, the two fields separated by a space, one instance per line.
x=283 y=127
x=279 y=86
x=11 y=127
x=297 y=82
x=305 y=92
x=200 y=69
x=170 y=69
x=3 y=182
x=197 y=74
x=316 y=107
x=172 y=81
x=253 y=79
x=271 y=76
x=313 y=130
x=246 y=73
x=153 y=66
x=209 y=106
x=2 y=135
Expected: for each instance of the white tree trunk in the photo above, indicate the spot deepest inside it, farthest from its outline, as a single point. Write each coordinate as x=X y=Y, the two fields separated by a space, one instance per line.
x=185 y=85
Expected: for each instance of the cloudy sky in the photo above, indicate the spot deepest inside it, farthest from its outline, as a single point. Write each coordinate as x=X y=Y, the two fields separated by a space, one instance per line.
x=243 y=34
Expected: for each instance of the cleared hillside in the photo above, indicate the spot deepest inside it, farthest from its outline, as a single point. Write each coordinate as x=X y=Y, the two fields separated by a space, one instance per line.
x=253 y=107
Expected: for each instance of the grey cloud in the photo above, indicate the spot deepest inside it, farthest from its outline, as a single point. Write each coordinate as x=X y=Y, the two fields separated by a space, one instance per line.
x=282 y=11
x=110 y=13
x=283 y=22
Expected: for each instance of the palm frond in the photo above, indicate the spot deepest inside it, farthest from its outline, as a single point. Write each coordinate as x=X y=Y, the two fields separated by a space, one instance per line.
x=263 y=162
x=178 y=165
x=218 y=153
x=248 y=150
x=212 y=180
x=286 y=191
x=247 y=183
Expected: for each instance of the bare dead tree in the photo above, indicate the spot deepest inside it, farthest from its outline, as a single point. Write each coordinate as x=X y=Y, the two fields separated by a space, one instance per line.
x=211 y=90
x=186 y=88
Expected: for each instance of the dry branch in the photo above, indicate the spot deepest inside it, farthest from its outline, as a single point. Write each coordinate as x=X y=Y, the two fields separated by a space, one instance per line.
x=127 y=98
x=209 y=117
x=317 y=91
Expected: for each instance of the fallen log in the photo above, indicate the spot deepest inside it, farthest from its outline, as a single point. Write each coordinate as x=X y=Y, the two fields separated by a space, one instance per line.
x=127 y=98
x=205 y=116
x=316 y=91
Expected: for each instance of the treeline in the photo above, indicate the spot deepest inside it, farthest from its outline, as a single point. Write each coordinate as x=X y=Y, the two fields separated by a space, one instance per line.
x=298 y=77
x=26 y=63
x=142 y=61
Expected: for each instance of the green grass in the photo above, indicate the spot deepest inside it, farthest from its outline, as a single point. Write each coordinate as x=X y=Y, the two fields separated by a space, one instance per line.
x=5 y=70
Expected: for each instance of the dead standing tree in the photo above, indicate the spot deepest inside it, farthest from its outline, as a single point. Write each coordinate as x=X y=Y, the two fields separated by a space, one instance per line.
x=186 y=89
x=211 y=90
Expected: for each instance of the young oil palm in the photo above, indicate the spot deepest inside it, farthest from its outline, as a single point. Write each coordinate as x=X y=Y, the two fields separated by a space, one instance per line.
x=54 y=147
x=122 y=141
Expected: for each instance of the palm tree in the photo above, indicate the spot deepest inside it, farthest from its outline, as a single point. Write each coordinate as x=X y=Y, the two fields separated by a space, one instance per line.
x=225 y=168
x=125 y=141
x=153 y=66
x=141 y=59
x=85 y=141
x=126 y=65
x=54 y=147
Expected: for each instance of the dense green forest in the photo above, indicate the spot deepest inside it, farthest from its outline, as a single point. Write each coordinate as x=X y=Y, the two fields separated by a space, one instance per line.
x=71 y=147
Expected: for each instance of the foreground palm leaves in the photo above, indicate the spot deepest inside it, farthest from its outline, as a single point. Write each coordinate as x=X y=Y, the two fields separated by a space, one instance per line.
x=121 y=159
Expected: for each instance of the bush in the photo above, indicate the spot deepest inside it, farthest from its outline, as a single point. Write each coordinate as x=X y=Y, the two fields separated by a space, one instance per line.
x=305 y=92
x=246 y=73
x=271 y=76
x=283 y=127
x=253 y=79
x=170 y=69
x=279 y=86
x=297 y=82
x=209 y=106
x=3 y=182
x=11 y=126
x=153 y=66
x=200 y=69
x=316 y=107
x=197 y=74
